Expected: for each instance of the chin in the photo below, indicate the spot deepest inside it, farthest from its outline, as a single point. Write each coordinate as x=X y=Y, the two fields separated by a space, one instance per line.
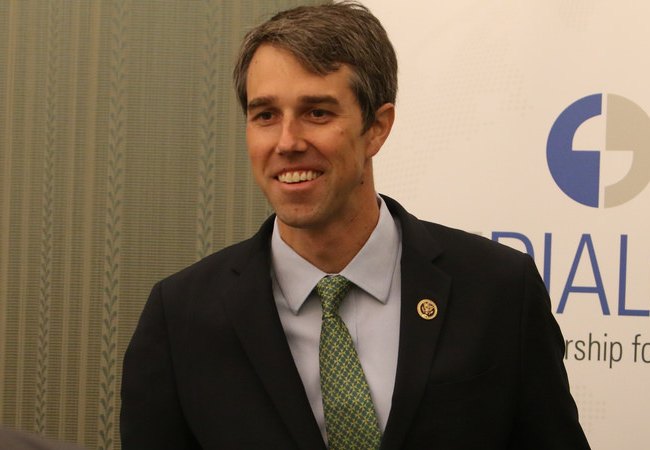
x=295 y=221
x=297 y=217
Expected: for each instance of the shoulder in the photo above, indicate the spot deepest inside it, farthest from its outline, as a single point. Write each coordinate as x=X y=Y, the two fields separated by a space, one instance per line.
x=460 y=253
x=480 y=265
x=225 y=263
x=468 y=244
x=205 y=284
x=471 y=252
x=450 y=244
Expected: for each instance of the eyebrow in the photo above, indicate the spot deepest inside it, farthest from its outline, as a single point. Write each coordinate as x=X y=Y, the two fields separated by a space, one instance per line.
x=318 y=99
x=259 y=102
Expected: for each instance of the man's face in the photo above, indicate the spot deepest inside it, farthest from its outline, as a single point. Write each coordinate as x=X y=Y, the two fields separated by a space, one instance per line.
x=305 y=141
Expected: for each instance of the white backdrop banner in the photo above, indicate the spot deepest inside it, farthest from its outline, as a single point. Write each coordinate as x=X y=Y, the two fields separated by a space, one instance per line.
x=527 y=122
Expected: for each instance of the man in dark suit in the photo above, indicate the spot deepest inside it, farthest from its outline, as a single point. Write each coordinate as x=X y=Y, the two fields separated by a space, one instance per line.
x=442 y=339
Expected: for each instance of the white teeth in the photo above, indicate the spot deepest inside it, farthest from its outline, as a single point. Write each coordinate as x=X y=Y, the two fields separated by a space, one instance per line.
x=298 y=176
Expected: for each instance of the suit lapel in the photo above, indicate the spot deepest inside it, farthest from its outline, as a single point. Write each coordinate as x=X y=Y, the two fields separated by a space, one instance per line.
x=251 y=308
x=421 y=279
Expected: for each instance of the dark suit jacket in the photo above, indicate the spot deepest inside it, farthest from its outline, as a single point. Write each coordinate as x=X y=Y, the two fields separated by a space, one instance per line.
x=209 y=365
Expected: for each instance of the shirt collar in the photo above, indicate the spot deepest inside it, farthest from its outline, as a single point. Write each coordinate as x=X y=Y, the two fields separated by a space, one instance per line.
x=371 y=269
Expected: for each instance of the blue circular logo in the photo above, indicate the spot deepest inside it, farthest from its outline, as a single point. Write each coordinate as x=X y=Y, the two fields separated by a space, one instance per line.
x=577 y=172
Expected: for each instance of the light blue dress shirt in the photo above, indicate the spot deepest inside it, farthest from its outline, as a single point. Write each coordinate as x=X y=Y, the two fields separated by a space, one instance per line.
x=371 y=311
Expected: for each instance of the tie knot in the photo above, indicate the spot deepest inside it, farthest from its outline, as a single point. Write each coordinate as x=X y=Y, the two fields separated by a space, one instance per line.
x=332 y=290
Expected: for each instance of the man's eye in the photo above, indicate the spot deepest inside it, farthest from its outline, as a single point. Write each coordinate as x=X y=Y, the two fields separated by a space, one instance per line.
x=264 y=116
x=319 y=113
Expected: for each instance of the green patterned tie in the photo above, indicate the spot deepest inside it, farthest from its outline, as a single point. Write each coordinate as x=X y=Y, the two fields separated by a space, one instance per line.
x=350 y=417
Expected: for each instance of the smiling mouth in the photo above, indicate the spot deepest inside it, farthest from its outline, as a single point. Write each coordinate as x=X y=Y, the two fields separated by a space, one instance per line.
x=298 y=176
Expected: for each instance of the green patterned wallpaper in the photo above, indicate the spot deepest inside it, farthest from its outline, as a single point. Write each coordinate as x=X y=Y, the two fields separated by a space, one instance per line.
x=122 y=159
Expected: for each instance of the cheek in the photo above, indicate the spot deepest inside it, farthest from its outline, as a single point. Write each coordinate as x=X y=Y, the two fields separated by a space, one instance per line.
x=358 y=150
x=258 y=166
x=258 y=149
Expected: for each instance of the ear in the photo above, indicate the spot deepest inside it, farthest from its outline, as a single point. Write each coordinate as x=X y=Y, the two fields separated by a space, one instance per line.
x=380 y=129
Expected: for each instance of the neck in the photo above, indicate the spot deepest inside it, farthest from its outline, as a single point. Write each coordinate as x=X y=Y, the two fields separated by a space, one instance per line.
x=332 y=246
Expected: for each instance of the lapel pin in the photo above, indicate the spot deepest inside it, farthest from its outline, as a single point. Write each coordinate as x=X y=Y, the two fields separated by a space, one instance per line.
x=427 y=309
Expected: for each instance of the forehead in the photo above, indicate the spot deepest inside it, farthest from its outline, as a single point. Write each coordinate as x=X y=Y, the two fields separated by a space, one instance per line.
x=274 y=71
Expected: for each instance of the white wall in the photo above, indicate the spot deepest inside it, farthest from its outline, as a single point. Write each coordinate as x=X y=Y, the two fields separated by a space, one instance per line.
x=481 y=84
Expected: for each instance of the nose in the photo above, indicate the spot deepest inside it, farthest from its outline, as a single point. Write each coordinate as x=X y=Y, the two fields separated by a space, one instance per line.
x=291 y=137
